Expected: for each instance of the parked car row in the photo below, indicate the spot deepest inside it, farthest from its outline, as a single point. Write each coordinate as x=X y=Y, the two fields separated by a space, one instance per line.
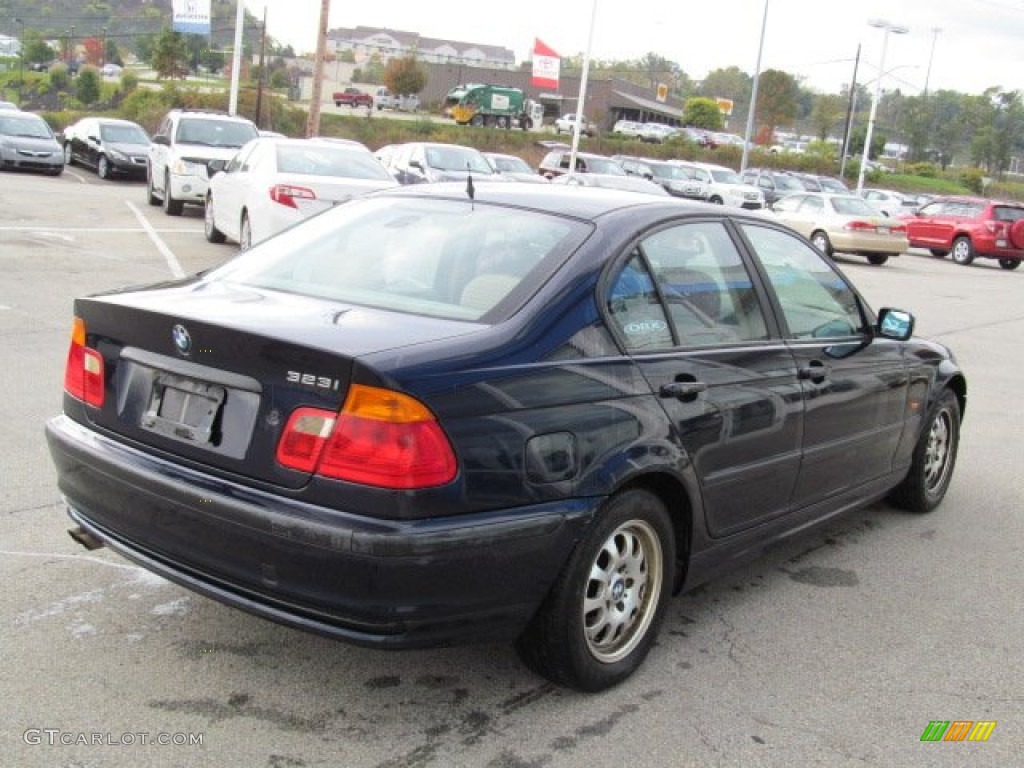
x=253 y=184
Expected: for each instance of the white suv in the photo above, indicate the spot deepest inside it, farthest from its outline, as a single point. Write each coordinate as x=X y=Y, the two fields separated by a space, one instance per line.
x=723 y=186
x=186 y=141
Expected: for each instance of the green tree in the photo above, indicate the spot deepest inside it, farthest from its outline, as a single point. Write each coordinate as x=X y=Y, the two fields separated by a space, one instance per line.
x=857 y=137
x=87 y=85
x=112 y=53
x=827 y=114
x=404 y=76
x=702 y=112
x=170 y=54
x=777 y=95
x=36 y=49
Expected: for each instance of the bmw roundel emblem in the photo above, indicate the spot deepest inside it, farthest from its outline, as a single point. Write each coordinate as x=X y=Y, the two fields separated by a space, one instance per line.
x=182 y=340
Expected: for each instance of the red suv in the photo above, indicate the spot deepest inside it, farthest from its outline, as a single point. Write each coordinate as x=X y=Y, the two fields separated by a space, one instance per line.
x=970 y=228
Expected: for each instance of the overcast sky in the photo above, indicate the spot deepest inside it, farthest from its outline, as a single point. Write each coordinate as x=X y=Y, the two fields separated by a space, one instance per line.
x=980 y=43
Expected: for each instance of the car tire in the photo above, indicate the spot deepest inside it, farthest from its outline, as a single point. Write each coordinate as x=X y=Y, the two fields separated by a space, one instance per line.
x=476 y=120
x=963 y=251
x=602 y=615
x=172 y=207
x=151 y=197
x=213 y=234
x=68 y=158
x=245 y=232
x=931 y=467
x=502 y=122
x=1009 y=263
x=820 y=241
x=939 y=254
x=716 y=200
x=103 y=167
x=878 y=259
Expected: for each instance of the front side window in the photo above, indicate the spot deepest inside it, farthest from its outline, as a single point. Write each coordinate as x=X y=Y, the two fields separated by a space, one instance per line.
x=815 y=300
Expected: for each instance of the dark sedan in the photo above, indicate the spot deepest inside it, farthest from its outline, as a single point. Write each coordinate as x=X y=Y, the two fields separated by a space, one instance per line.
x=108 y=145
x=533 y=415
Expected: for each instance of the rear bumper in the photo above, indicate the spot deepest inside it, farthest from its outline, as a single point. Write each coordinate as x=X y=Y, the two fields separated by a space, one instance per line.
x=868 y=243
x=996 y=248
x=379 y=583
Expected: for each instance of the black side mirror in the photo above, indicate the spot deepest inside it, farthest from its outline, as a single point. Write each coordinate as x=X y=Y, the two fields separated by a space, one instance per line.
x=215 y=166
x=162 y=140
x=895 y=324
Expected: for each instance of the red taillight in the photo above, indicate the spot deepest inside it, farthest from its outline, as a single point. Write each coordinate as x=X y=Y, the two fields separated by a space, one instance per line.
x=380 y=438
x=860 y=226
x=287 y=194
x=898 y=229
x=83 y=374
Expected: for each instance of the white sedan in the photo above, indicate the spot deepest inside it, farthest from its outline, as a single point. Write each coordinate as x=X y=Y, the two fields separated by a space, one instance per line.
x=273 y=183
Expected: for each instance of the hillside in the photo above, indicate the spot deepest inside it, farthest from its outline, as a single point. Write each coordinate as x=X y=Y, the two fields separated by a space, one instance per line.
x=127 y=22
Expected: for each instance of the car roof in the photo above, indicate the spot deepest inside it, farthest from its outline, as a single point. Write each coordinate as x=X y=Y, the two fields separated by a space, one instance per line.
x=111 y=121
x=586 y=203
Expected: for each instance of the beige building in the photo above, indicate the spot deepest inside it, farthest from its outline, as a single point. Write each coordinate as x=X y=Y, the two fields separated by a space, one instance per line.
x=365 y=42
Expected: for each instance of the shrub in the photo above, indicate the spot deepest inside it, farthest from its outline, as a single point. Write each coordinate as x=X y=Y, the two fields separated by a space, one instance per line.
x=973 y=179
x=59 y=77
x=129 y=81
x=87 y=85
x=927 y=170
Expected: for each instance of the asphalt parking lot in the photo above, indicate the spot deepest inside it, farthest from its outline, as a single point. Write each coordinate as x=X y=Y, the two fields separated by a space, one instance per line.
x=838 y=649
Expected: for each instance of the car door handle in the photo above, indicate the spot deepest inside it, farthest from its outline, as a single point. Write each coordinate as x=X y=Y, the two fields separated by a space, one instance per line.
x=681 y=390
x=815 y=371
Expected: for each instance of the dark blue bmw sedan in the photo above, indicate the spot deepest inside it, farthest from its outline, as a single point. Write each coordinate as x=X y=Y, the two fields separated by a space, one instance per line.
x=423 y=418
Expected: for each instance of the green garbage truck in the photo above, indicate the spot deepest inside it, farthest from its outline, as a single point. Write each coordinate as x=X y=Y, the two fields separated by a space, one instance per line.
x=494 y=105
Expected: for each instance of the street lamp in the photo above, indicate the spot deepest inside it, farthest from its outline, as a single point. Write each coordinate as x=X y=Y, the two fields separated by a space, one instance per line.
x=895 y=29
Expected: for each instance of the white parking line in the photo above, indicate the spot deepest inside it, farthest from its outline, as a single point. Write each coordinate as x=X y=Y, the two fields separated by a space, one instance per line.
x=101 y=230
x=168 y=254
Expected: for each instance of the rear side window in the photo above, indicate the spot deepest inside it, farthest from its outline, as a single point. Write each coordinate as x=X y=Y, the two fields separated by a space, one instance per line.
x=1007 y=213
x=685 y=286
x=442 y=258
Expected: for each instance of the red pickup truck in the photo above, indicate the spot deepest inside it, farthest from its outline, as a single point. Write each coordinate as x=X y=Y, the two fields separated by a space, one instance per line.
x=352 y=97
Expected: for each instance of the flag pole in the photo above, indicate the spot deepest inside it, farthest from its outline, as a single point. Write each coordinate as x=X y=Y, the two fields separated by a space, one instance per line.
x=583 y=91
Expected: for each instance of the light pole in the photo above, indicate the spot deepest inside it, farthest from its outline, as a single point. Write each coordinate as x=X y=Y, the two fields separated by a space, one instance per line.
x=103 y=50
x=895 y=29
x=21 y=57
x=753 y=93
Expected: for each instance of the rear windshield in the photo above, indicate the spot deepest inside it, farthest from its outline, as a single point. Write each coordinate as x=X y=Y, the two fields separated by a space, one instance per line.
x=443 y=258
x=853 y=206
x=319 y=159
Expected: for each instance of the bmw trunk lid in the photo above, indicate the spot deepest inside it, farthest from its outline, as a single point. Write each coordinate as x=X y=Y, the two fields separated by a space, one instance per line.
x=207 y=373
